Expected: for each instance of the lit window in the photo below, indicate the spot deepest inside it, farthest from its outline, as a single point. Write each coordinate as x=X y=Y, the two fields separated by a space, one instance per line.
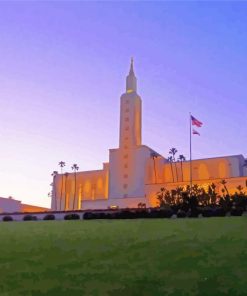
x=114 y=207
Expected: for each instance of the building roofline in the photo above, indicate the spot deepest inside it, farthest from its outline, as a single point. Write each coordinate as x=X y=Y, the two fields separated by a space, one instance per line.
x=226 y=156
x=7 y=198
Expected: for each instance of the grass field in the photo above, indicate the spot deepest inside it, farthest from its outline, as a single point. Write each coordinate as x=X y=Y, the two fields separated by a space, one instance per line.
x=124 y=257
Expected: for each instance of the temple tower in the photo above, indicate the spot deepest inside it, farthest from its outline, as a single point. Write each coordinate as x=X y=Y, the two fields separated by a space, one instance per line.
x=130 y=113
x=126 y=174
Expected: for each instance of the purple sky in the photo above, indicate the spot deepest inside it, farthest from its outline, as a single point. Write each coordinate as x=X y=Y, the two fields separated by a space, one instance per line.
x=63 y=67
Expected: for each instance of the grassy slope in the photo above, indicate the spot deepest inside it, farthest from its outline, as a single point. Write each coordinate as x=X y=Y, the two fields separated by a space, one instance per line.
x=124 y=257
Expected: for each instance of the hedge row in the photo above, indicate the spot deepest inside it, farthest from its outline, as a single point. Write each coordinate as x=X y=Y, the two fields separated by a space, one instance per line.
x=141 y=213
x=47 y=217
x=162 y=213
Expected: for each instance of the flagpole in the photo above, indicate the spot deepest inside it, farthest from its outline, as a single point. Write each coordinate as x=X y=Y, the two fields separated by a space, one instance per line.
x=190 y=159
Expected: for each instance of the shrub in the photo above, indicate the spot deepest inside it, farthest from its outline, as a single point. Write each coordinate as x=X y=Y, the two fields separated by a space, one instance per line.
x=181 y=214
x=114 y=215
x=123 y=214
x=167 y=213
x=126 y=214
x=101 y=215
x=7 y=218
x=72 y=217
x=49 y=217
x=193 y=213
x=163 y=213
x=236 y=211
x=88 y=216
x=207 y=212
x=219 y=212
x=108 y=216
x=141 y=214
x=29 y=218
x=154 y=214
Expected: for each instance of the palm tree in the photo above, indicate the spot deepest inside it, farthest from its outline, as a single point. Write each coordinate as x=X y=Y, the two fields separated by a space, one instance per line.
x=240 y=188
x=223 y=182
x=61 y=164
x=181 y=158
x=74 y=168
x=173 y=152
x=212 y=195
x=169 y=159
x=154 y=155
x=65 y=190
x=54 y=174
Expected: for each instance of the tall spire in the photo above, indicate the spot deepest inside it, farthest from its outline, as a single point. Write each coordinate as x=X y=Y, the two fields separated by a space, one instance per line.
x=131 y=79
x=131 y=66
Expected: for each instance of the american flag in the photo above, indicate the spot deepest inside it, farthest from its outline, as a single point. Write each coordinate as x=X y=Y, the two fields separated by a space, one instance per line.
x=195 y=121
x=195 y=132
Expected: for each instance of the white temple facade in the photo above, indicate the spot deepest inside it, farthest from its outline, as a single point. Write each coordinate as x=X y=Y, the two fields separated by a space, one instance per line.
x=135 y=172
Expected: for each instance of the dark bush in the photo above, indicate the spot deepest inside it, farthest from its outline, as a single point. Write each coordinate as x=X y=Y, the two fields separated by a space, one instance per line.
x=49 y=217
x=154 y=214
x=175 y=208
x=219 y=212
x=141 y=214
x=72 y=217
x=126 y=214
x=166 y=213
x=88 y=216
x=29 y=218
x=7 y=218
x=163 y=213
x=207 y=212
x=181 y=214
x=101 y=215
x=193 y=214
x=236 y=211
x=108 y=216
x=114 y=215
x=120 y=214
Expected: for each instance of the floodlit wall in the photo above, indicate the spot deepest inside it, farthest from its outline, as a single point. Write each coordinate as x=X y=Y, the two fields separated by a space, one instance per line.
x=112 y=203
x=202 y=169
x=127 y=172
x=69 y=190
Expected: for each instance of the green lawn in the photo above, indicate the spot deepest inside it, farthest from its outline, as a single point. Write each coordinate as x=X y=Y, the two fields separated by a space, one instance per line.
x=124 y=257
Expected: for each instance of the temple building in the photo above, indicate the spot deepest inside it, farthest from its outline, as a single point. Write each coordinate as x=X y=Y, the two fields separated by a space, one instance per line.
x=135 y=172
x=11 y=205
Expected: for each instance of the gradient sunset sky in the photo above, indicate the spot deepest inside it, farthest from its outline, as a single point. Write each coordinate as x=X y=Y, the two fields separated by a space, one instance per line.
x=62 y=71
